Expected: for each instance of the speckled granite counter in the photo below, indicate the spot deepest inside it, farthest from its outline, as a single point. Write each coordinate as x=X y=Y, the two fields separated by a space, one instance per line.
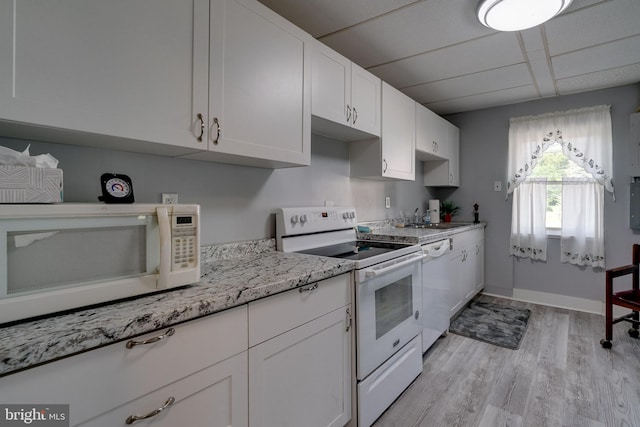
x=383 y=230
x=232 y=275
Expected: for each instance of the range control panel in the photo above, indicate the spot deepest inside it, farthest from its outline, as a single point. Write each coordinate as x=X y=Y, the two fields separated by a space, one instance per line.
x=295 y=221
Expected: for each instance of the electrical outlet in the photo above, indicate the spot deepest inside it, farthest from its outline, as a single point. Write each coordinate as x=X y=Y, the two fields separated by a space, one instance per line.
x=387 y=202
x=497 y=186
x=169 y=198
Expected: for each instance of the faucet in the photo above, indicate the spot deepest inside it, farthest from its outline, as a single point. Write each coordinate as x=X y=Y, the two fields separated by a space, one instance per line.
x=416 y=216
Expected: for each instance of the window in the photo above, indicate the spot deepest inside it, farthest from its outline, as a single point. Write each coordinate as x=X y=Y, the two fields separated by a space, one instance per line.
x=559 y=167
x=554 y=166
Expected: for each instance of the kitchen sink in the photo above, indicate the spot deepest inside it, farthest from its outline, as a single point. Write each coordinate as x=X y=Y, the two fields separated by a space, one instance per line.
x=438 y=226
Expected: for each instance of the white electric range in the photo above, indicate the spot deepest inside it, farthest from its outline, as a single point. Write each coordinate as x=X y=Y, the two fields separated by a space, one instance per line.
x=387 y=295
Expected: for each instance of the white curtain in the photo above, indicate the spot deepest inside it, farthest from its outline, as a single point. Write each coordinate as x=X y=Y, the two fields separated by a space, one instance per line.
x=584 y=134
x=528 y=220
x=582 y=235
x=586 y=139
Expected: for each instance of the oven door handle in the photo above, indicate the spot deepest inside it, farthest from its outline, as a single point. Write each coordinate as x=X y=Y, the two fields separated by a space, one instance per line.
x=391 y=266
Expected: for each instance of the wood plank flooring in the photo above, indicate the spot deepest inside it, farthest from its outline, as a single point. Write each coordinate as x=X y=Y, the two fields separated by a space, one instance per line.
x=560 y=376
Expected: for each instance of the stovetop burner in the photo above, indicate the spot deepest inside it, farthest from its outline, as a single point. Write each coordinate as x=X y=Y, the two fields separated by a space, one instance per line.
x=356 y=250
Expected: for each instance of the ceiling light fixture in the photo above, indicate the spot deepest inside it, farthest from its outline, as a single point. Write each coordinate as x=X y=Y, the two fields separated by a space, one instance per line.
x=516 y=15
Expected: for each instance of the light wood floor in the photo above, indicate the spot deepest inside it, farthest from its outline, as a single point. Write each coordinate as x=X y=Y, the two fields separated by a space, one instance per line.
x=560 y=376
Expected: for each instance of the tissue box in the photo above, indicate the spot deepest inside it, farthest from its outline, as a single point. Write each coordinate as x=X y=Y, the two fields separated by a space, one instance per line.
x=21 y=184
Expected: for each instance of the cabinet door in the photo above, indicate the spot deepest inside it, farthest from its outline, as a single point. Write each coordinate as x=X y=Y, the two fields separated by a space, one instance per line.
x=454 y=155
x=456 y=293
x=303 y=377
x=214 y=397
x=398 y=134
x=479 y=263
x=118 y=68
x=259 y=90
x=365 y=100
x=430 y=143
x=331 y=85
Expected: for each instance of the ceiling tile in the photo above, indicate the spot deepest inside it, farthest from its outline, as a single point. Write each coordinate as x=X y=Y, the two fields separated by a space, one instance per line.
x=601 y=23
x=485 y=100
x=597 y=58
x=599 y=80
x=419 y=28
x=322 y=17
x=493 y=51
x=471 y=84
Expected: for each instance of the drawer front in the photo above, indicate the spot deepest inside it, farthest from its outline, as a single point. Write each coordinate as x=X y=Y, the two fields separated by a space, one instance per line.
x=107 y=377
x=280 y=313
x=215 y=397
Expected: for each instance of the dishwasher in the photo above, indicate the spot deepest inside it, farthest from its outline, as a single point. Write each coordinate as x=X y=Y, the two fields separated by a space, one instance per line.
x=435 y=291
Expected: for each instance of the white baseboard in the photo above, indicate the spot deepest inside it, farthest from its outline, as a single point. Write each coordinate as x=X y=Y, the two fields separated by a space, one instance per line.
x=560 y=301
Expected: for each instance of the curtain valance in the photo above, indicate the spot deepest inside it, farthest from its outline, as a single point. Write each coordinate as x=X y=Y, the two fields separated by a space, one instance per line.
x=584 y=134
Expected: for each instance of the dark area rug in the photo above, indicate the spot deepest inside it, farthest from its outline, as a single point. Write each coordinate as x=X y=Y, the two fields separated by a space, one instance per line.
x=495 y=324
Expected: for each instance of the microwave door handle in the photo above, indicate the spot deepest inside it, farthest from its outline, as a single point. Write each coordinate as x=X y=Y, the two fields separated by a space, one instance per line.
x=165 y=248
x=383 y=270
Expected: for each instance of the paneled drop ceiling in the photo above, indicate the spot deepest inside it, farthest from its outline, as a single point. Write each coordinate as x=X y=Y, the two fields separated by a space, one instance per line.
x=438 y=53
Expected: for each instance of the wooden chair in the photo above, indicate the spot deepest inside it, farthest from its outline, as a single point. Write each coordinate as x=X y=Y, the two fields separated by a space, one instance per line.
x=629 y=298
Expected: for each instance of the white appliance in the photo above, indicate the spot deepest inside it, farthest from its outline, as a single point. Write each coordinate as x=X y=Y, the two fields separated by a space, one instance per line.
x=60 y=257
x=387 y=296
x=435 y=291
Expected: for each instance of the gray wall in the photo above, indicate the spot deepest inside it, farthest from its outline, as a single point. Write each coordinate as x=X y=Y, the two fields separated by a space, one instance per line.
x=483 y=160
x=237 y=202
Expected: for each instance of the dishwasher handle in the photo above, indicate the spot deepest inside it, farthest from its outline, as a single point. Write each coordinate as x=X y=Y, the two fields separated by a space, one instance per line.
x=436 y=250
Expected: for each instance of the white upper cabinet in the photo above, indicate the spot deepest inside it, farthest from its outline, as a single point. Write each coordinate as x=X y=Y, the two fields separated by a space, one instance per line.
x=121 y=69
x=345 y=97
x=431 y=135
x=259 y=90
x=437 y=143
x=227 y=78
x=392 y=156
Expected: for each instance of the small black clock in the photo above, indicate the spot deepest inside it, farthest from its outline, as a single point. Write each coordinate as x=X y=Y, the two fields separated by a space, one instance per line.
x=116 y=188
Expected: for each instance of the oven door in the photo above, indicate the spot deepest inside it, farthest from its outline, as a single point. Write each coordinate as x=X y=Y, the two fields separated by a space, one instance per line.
x=388 y=304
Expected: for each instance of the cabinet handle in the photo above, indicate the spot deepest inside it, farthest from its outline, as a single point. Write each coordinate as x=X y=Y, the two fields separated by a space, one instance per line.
x=348 y=114
x=355 y=115
x=450 y=178
x=132 y=343
x=308 y=289
x=201 y=127
x=217 y=123
x=133 y=418
x=477 y=249
x=384 y=168
x=349 y=320
x=435 y=146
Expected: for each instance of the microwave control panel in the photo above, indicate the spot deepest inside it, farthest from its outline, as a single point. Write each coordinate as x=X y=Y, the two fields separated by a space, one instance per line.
x=184 y=242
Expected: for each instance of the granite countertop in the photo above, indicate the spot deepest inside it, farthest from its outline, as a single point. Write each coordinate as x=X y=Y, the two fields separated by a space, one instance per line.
x=384 y=231
x=232 y=275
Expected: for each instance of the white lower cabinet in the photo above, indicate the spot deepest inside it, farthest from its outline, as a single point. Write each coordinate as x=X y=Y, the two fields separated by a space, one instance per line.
x=297 y=371
x=300 y=373
x=199 y=371
x=466 y=268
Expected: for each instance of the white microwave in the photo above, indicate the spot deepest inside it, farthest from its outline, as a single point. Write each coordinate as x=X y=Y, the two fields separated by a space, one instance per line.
x=59 y=257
